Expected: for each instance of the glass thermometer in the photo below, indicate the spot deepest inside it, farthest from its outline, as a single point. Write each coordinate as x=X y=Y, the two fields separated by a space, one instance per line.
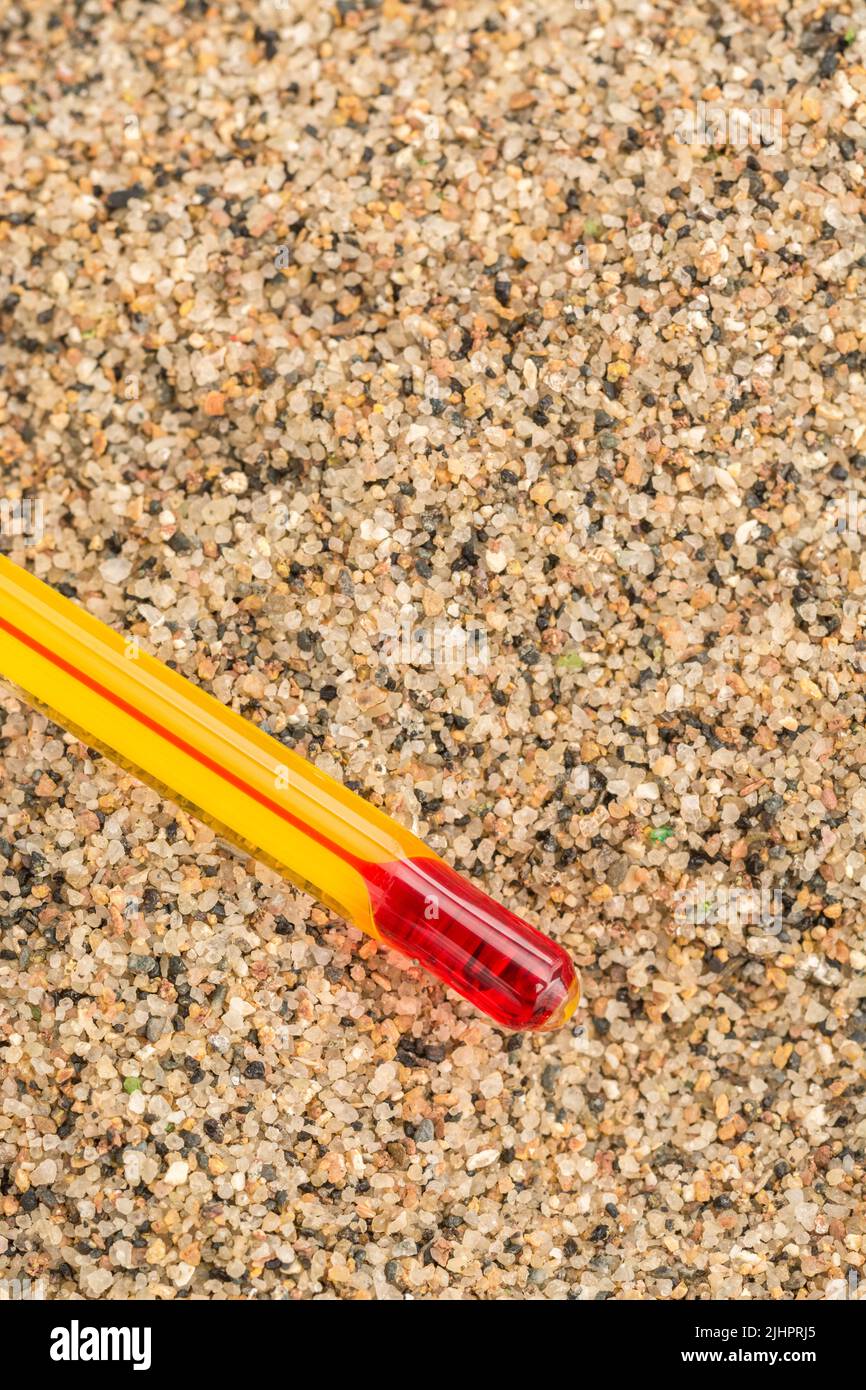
x=277 y=806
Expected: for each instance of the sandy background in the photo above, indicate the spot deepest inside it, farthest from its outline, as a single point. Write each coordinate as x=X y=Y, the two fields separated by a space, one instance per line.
x=318 y=317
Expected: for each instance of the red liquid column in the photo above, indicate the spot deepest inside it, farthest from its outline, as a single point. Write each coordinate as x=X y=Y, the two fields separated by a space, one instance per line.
x=521 y=978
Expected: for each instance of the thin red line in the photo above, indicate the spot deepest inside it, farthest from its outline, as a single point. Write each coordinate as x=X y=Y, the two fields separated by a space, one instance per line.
x=180 y=743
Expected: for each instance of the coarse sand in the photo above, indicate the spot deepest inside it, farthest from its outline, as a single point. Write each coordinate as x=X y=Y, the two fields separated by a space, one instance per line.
x=472 y=394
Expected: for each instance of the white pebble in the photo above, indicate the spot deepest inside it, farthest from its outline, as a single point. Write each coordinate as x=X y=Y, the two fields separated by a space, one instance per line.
x=97 y=1280
x=115 y=570
x=177 y=1173
x=482 y=1159
x=44 y=1174
x=647 y=791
